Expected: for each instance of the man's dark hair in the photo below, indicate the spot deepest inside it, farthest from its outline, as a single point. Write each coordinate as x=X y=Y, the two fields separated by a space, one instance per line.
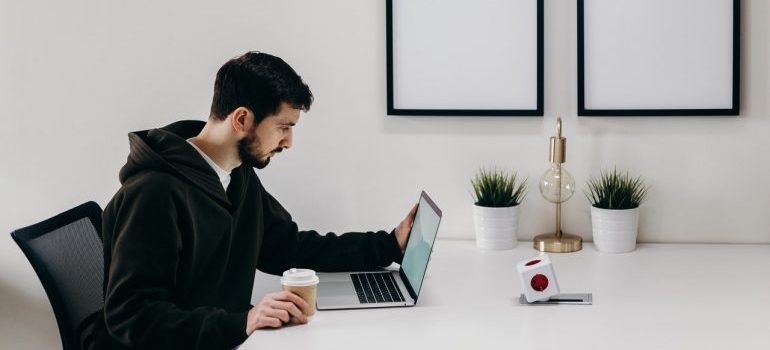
x=259 y=82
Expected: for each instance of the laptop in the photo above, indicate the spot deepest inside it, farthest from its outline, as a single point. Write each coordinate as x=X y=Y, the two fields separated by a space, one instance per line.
x=385 y=288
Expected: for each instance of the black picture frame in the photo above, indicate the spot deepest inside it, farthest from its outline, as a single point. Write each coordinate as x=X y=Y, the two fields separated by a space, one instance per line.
x=396 y=108
x=731 y=89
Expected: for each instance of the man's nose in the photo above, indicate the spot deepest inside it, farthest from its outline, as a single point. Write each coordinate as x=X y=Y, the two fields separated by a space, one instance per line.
x=286 y=142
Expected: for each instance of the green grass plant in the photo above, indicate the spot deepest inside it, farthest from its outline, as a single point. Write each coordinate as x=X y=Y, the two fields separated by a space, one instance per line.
x=616 y=190
x=497 y=188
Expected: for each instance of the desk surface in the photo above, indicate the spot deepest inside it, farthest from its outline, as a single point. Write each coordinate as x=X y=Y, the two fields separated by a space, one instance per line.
x=661 y=296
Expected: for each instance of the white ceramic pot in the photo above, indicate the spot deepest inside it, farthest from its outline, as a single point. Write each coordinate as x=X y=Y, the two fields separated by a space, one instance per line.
x=496 y=228
x=615 y=230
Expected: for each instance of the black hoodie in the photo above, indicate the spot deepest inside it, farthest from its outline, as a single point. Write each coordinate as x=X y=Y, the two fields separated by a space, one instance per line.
x=180 y=253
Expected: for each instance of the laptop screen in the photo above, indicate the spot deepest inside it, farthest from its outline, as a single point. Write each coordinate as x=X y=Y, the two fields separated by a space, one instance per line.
x=420 y=243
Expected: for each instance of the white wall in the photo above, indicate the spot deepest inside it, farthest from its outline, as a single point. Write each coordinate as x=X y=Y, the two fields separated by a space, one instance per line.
x=76 y=76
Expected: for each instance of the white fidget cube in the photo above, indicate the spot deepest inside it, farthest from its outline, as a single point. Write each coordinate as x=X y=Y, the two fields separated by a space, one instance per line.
x=537 y=278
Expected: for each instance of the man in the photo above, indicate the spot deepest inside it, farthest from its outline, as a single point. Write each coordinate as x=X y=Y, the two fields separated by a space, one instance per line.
x=192 y=222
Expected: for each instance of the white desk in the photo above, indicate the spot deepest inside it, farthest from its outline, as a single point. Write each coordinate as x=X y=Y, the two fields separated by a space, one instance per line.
x=662 y=296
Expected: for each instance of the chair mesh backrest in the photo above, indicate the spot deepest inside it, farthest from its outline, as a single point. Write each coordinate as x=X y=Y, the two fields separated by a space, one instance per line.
x=66 y=253
x=72 y=255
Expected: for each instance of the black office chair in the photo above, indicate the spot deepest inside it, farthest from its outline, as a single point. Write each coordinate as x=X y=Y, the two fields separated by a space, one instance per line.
x=66 y=253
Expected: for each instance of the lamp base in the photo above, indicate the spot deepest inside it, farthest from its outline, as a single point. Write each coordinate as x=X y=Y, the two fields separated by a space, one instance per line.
x=548 y=242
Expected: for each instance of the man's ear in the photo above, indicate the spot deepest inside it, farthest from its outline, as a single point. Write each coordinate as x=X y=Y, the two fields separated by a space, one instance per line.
x=241 y=119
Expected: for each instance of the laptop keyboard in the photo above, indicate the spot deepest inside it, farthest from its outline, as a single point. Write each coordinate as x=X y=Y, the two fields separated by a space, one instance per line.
x=376 y=288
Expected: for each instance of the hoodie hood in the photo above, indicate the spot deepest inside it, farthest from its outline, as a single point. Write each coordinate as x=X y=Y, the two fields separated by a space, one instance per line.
x=166 y=150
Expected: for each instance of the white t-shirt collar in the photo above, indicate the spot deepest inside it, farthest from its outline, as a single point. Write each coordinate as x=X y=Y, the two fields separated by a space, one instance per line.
x=224 y=176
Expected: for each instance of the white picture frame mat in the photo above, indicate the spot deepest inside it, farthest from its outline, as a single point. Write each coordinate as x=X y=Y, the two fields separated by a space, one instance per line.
x=453 y=54
x=658 y=54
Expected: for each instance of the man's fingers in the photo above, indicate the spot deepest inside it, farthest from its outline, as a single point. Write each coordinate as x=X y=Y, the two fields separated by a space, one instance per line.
x=270 y=322
x=409 y=220
x=289 y=307
x=276 y=309
x=278 y=295
x=412 y=212
x=294 y=298
x=282 y=315
x=295 y=320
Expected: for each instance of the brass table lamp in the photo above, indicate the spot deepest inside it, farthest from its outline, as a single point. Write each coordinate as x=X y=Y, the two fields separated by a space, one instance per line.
x=557 y=185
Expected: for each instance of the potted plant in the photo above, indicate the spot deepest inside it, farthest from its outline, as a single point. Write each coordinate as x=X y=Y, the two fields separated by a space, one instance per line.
x=615 y=198
x=497 y=195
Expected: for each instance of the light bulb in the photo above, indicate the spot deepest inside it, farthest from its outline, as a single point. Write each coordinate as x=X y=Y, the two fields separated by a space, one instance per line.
x=557 y=185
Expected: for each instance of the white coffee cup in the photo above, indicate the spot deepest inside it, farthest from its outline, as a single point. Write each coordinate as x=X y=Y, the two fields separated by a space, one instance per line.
x=304 y=283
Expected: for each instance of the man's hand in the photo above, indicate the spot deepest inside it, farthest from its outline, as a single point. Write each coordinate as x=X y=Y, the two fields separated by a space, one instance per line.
x=275 y=310
x=404 y=228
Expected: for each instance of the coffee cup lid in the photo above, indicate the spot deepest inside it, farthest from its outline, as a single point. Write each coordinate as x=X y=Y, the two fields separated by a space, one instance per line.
x=299 y=277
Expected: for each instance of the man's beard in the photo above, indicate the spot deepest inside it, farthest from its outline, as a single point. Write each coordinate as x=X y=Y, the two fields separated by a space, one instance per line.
x=247 y=158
